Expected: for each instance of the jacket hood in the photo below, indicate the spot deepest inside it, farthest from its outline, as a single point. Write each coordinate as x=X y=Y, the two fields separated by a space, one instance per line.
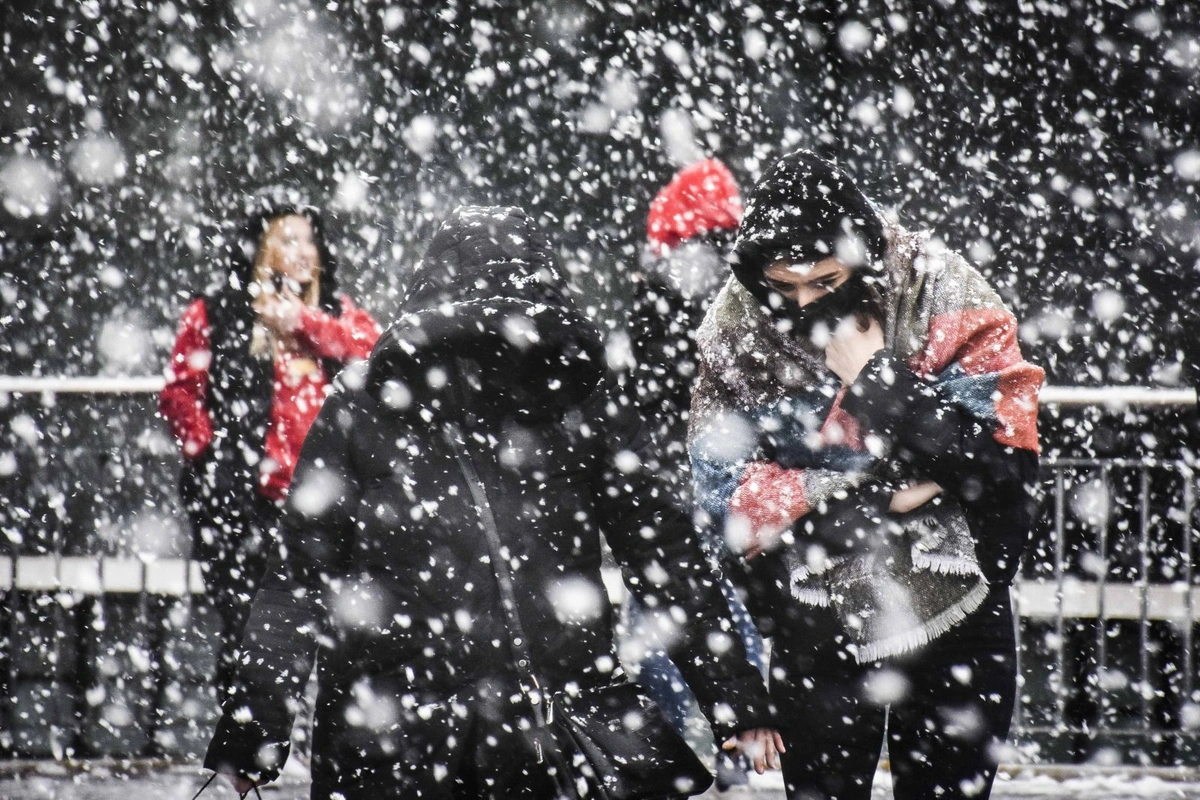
x=488 y=326
x=487 y=252
x=805 y=209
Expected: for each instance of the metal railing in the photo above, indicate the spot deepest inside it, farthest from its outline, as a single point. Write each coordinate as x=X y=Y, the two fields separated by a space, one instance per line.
x=1122 y=396
x=1118 y=611
x=1107 y=610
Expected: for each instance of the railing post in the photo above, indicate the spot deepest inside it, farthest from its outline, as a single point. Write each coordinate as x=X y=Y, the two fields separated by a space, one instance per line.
x=143 y=639
x=86 y=621
x=57 y=614
x=1189 y=620
x=10 y=662
x=1102 y=607
x=1060 y=632
x=1144 y=593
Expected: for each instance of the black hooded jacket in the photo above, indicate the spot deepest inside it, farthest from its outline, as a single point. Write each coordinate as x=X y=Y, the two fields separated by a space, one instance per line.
x=386 y=570
x=661 y=327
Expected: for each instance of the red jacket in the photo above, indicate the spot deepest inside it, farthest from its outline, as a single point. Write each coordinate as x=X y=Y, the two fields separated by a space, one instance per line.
x=299 y=389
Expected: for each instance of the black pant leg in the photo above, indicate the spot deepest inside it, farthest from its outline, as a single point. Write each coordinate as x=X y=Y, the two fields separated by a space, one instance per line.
x=232 y=576
x=944 y=737
x=833 y=733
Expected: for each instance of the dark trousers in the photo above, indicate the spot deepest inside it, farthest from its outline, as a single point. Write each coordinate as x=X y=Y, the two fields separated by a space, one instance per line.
x=944 y=710
x=233 y=549
x=663 y=681
x=472 y=747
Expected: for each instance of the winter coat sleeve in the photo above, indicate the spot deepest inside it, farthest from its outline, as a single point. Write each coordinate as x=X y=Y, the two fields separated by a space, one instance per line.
x=660 y=347
x=288 y=615
x=655 y=542
x=346 y=338
x=183 y=401
x=995 y=483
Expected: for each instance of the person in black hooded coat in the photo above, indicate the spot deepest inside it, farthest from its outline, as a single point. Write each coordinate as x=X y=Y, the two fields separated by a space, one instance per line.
x=385 y=568
x=251 y=365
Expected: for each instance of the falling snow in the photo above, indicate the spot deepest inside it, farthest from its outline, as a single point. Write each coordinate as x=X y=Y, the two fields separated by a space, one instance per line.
x=1053 y=144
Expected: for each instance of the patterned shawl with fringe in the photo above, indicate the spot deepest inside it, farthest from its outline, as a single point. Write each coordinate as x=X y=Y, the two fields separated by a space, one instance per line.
x=758 y=384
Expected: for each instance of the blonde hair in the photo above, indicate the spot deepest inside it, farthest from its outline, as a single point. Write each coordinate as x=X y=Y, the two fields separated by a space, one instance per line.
x=262 y=342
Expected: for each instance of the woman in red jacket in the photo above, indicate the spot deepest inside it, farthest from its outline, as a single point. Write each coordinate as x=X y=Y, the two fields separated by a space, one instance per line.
x=251 y=366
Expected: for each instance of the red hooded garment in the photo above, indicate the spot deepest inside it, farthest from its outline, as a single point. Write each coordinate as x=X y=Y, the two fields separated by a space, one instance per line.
x=702 y=197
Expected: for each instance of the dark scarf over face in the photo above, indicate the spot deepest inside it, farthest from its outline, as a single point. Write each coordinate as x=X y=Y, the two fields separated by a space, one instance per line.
x=856 y=297
x=241 y=384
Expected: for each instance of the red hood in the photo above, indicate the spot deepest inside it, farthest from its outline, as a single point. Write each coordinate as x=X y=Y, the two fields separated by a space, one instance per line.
x=700 y=198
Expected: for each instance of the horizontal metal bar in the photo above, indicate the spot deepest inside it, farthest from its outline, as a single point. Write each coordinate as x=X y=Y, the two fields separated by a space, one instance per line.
x=1049 y=396
x=1124 y=773
x=166 y=576
x=116 y=385
x=1081 y=600
x=1177 y=464
x=101 y=575
x=1137 y=732
x=1116 y=396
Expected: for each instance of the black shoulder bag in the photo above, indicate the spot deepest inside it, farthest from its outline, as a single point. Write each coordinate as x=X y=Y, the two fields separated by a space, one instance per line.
x=609 y=741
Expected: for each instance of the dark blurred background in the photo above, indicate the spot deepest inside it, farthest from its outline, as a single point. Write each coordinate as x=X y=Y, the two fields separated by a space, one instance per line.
x=1053 y=142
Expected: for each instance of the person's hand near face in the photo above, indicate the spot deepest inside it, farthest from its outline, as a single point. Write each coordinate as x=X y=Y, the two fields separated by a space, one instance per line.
x=851 y=347
x=279 y=310
x=856 y=339
x=294 y=263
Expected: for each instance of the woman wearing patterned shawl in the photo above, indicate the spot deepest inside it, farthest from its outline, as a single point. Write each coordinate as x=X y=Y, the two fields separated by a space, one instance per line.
x=864 y=443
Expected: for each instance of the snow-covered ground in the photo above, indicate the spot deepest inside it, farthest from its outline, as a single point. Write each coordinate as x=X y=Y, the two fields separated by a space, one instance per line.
x=180 y=783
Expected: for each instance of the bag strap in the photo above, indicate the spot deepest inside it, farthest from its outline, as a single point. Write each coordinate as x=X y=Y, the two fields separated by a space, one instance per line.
x=539 y=700
x=498 y=557
x=212 y=777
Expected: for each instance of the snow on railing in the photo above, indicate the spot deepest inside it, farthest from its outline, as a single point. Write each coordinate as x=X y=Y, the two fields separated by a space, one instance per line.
x=1036 y=598
x=101 y=575
x=1114 y=396
x=19 y=384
